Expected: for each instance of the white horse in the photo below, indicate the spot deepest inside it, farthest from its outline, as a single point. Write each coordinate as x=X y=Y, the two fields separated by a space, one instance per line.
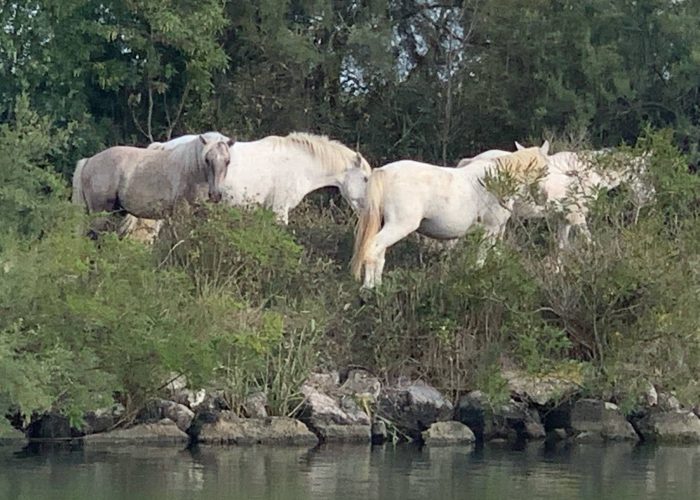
x=183 y=139
x=149 y=183
x=146 y=230
x=574 y=179
x=442 y=203
x=492 y=154
x=278 y=172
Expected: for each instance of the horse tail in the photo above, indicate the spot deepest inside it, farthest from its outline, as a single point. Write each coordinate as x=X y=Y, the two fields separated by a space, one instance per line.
x=369 y=223
x=78 y=197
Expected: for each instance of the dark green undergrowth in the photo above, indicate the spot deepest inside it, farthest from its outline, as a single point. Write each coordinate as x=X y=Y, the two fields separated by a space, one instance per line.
x=238 y=303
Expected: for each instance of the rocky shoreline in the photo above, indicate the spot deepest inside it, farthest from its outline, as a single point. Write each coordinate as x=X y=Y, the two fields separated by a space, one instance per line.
x=359 y=409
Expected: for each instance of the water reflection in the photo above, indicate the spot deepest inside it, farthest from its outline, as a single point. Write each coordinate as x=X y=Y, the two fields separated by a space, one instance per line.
x=405 y=472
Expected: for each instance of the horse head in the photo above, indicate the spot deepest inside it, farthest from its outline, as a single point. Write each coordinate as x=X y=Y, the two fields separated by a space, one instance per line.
x=636 y=177
x=544 y=148
x=354 y=182
x=216 y=156
x=623 y=168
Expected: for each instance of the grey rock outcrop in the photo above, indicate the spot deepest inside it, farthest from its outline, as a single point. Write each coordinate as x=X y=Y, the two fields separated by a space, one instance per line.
x=230 y=429
x=339 y=412
x=510 y=420
x=542 y=391
x=164 y=431
x=413 y=407
x=593 y=420
x=670 y=427
x=448 y=433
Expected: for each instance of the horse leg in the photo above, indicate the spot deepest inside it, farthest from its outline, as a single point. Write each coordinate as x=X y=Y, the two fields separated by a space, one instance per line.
x=574 y=218
x=374 y=263
x=282 y=214
x=563 y=235
x=492 y=235
x=585 y=232
x=420 y=244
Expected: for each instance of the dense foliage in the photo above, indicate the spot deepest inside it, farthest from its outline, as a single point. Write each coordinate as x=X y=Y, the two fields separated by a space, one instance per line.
x=232 y=300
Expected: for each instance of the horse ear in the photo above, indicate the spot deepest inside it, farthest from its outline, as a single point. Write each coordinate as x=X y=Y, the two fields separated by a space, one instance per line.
x=358 y=160
x=519 y=146
x=203 y=140
x=544 y=148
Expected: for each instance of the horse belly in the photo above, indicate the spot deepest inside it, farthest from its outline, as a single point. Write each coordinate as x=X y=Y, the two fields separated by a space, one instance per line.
x=245 y=187
x=445 y=228
x=147 y=196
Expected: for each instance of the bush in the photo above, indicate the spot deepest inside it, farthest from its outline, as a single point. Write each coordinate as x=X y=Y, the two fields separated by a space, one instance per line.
x=29 y=188
x=243 y=265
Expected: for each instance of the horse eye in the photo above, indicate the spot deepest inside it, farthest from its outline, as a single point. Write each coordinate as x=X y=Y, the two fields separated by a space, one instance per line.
x=365 y=179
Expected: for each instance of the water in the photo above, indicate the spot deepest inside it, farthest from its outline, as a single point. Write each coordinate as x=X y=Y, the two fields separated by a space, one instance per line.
x=352 y=472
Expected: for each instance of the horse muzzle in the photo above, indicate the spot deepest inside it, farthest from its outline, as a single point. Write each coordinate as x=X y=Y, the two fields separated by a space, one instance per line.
x=215 y=196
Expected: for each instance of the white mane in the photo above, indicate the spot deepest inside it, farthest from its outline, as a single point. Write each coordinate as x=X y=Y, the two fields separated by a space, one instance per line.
x=333 y=155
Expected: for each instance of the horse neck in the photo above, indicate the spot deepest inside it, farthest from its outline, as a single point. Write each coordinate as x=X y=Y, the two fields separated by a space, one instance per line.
x=317 y=175
x=613 y=178
x=477 y=168
x=187 y=158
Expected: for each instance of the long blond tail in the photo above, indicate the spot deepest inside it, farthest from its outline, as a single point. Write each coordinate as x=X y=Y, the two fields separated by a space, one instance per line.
x=369 y=223
x=78 y=197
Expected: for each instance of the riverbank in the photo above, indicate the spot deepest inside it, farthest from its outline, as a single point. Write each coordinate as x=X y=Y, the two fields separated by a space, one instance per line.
x=360 y=409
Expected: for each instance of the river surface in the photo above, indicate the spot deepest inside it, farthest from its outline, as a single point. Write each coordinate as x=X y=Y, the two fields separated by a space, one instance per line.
x=350 y=472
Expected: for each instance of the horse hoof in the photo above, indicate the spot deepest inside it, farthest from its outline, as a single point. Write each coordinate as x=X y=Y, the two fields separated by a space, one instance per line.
x=364 y=295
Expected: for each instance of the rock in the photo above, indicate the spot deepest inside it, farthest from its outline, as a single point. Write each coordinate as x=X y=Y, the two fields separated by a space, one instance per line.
x=534 y=430
x=229 y=429
x=50 y=425
x=670 y=427
x=594 y=421
x=413 y=407
x=327 y=406
x=650 y=397
x=511 y=420
x=164 y=431
x=517 y=417
x=324 y=382
x=212 y=401
x=668 y=402
x=379 y=432
x=472 y=410
x=158 y=409
x=191 y=399
x=178 y=390
x=177 y=382
x=448 y=433
x=152 y=411
x=556 y=435
x=178 y=413
x=362 y=384
x=542 y=391
x=558 y=417
x=330 y=433
x=255 y=405
x=103 y=419
x=98 y=421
